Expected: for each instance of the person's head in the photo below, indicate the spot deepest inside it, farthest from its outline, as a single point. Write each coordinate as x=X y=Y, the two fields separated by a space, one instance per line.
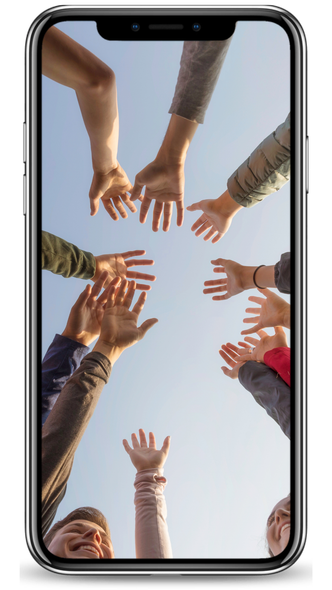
x=83 y=534
x=278 y=527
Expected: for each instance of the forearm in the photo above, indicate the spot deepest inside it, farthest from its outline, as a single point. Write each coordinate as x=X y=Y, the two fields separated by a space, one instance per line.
x=177 y=140
x=72 y=65
x=61 y=360
x=151 y=533
x=66 y=259
x=264 y=277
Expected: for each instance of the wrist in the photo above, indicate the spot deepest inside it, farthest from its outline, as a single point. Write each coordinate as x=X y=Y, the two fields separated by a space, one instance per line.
x=111 y=351
x=103 y=167
x=175 y=145
x=286 y=317
x=226 y=205
x=81 y=338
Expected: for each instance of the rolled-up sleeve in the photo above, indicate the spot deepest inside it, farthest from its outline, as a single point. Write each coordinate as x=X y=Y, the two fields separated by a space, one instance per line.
x=265 y=171
x=282 y=273
x=66 y=259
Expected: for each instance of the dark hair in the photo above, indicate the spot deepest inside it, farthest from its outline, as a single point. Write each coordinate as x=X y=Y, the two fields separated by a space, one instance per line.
x=85 y=513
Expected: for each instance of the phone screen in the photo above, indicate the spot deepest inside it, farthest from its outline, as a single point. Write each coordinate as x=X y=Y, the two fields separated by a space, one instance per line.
x=127 y=118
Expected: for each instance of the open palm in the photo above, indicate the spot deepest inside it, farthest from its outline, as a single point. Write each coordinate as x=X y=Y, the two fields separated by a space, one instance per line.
x=146 y=457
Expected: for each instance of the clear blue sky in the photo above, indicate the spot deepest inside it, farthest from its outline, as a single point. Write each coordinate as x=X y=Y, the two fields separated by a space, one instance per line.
x=229 y=462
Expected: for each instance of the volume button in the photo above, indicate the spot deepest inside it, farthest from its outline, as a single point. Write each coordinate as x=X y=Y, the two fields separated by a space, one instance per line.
x=24 y=142
x=24 y=195
x=307 y=165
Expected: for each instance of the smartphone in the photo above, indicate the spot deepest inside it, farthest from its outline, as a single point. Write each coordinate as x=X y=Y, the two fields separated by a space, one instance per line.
x=165 y=184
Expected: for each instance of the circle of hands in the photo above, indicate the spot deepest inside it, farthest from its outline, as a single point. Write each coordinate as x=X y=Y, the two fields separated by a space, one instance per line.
x=108 y=314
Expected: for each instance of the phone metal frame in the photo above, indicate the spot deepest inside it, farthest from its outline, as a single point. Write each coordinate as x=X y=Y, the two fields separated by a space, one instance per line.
x=299 y=310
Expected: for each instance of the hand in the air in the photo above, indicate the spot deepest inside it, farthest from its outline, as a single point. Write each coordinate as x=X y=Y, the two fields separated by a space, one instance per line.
x=147 y=457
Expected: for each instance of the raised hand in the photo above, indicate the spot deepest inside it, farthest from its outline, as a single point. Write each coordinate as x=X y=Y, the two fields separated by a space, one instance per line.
x=217 y=216
x=117 y=265
x=112 y=189
x=232 y=284
x=263 y=345
x=273 y=311
x=119 y=328
x=231 y=354
x=147 y=457
x=164 y=183
x=84 y=321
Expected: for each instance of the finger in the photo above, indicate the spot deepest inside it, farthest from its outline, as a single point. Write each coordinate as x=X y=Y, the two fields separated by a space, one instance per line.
x=134 y=441
x=121 y=292
x=142 y=438
x=215 y=282
x=226 y=371
x=152 y=441
x=146 y=326
x=252 y=320
x=244 y=357
x=217 y=237
x=219 y=269
x=128 y=203
x=244 y=344
x=136 y=262
x=219 y=262
x=131 y=253
x=253 y=341
x=258 y=300
x=119 y=206
x=157 y=213
x=144 y=209
x=110 y=209
x=111 y=297
x=166 y=445
x=210 y=234
x=84 y=296
x=200 y=220
x=262 y=334
x=278 y=330
x=203 y=228
x=168 y=208
x=103 y=297
x=253 y=310
x=180 y=212
x=221 y=297
x=229 y=351
x=226 y=358
x=127 y=446
x=142 y=287
x=232 y=347
x=194 y=207
x=216 y=289
x=139 y=304
x=129 y=295
x=140 y=275
x=250 y=330
x=137 y=188
x=97 y=287
x=94 y=206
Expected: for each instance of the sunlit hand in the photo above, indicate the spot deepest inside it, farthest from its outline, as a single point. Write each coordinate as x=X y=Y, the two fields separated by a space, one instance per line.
x=112 y=189
x=230 y=354
x=86 y=315
x=164 y=183
x=273 y=311
x=117 y=265
x=263 y=345
x=232 y=284
x=212 y=219
x=147 y=457
x=119 y=325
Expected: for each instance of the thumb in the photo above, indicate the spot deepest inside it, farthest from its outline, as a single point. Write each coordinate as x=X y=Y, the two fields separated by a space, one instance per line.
x=146 y=326
x=194 y=207
x=279 y=330
x=94 y=205
x=166 y=445
x=84 y=296
x=137 y=189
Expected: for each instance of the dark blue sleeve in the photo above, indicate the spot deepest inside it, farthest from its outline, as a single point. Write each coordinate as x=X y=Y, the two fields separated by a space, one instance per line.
x=269 y=391
x=62 y=358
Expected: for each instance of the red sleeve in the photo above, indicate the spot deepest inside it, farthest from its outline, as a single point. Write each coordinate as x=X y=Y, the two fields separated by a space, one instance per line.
x=279 y=360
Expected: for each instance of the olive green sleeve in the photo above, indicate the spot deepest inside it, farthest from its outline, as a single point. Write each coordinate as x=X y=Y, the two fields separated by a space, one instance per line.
x=63 y=258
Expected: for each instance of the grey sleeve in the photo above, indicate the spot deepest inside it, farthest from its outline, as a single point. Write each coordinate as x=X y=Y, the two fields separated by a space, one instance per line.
x=265 y=171
x=282 y=271
x=200 y=66
x=269 y=391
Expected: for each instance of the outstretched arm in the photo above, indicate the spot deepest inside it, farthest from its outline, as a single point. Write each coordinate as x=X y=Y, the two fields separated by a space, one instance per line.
x=272 y=311
x=70 y=64
x=151 y=532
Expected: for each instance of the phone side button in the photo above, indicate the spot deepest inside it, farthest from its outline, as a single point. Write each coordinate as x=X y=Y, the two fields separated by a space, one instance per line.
x=24 y=142
x=307 y=165
x=24 y=195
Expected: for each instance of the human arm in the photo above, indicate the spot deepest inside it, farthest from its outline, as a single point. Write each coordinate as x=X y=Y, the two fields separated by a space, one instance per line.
x=240 y=278
x=279 y=360
x=264 y=172
x=232 y=355
x=63 y=258
x=271 y=350
x=151 y=532
x=71 y=413
x=273 y=311
x=72 y=65
x=269 y=391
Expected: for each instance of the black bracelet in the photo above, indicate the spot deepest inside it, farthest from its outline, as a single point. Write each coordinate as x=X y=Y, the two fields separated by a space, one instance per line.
x=254 y=277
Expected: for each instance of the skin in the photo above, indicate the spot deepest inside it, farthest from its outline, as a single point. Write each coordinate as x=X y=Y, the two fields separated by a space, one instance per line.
x=69 y=538
x=264 y=345
x=232 y=355
x=279 y=517
x=273 y=311
x=216 y=218
x=164 y=177
x=72 y=65
x=238 y=278
x=146 y=457
x=118 y=265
